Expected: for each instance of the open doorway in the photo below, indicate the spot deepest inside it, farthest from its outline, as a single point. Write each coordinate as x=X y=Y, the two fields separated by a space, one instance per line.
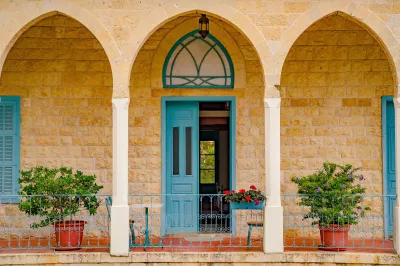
x=214 y=166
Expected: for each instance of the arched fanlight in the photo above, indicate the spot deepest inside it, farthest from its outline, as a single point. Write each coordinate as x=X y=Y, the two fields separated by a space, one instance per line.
x=204 y=24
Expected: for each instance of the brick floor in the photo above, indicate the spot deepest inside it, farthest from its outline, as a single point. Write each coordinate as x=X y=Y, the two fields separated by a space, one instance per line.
x=181 y=245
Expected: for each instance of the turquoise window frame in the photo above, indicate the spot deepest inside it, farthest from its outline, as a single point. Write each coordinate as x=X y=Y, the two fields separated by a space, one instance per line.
x=385 y=100
x=217 y=43
x=14 y=198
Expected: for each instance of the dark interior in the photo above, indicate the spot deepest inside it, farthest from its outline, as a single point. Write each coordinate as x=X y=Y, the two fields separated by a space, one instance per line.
x=214 y=166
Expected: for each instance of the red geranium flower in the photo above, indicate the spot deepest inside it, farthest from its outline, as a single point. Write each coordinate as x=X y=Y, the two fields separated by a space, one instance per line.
x=242 y=190
x=257 y=202
x=253 y=187
x=248 y=198
x=233 y=191
x=226 y=192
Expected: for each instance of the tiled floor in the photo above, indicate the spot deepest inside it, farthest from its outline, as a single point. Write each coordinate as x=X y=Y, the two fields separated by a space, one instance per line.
x=182 y=245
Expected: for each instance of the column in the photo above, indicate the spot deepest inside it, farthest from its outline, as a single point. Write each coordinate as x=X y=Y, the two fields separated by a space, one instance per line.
x=396 y=217
x=273 y=212
x=120 y=210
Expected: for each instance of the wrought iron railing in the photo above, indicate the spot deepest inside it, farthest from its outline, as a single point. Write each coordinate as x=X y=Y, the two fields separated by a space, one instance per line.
x=161 y=222
x=29 y=229
x=199 y=221
x=370 y=226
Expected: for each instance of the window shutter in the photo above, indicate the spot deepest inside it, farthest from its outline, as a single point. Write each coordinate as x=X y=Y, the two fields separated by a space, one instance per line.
x=9 y=147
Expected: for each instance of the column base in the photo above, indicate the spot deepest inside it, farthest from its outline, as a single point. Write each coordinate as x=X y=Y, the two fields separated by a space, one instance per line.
x=273 y=229
x=119 y=234
x=396 y=228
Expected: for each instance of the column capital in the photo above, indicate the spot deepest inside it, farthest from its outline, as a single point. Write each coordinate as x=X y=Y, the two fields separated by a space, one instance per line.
x=120 y=103
x=272 y=102
x=396 y=102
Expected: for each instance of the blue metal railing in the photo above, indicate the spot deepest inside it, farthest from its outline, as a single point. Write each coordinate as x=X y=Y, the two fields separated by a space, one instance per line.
x=369 y=221
x=32 y=222
x=162 y=221
x=212 y=225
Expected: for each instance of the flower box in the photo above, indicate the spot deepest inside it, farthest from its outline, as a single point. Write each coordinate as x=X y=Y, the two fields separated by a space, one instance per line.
x=246 y=206
x=251 y=199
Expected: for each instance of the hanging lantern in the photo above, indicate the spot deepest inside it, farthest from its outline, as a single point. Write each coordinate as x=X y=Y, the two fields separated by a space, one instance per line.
x=203 y=26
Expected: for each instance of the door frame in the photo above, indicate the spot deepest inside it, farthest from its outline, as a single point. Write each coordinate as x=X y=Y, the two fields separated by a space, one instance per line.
x=385 y=100
x=232 y=143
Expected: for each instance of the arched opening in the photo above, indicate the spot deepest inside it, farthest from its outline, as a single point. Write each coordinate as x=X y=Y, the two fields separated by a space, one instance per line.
x=334 y=83
x=59 y=77
x=240 y=111
x=63 y=77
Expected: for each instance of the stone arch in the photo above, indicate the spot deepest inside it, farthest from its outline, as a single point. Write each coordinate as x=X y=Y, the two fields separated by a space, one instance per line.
x=177 y=8
x=146 y=91
x=351 y=10
x=332 y=83
x=16 y=22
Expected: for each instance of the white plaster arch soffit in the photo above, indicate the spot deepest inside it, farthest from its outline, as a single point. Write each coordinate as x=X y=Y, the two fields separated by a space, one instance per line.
x=363 y=16
x=15 y=22
x=176 y=8
x=182 y=29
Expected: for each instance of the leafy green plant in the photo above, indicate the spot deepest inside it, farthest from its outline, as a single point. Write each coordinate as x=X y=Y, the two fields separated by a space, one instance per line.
x=333 y=194
x=57 y=194
x=243 y=196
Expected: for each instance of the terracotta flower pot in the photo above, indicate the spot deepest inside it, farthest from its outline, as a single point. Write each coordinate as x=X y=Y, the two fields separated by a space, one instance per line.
x=69 y=234
x=334 y=237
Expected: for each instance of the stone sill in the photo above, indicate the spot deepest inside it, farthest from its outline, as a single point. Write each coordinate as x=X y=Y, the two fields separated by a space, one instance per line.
x=192 y=258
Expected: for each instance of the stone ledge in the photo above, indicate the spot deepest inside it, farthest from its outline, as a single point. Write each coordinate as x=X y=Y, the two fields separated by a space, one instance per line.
x=192 y=258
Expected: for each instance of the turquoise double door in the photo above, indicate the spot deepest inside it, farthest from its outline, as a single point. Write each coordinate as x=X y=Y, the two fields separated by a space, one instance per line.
x=182 y=167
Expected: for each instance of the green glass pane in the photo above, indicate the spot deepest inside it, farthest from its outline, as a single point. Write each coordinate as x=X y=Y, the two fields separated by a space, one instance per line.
x=207 y=161
x=207 y=176
x=207 y=147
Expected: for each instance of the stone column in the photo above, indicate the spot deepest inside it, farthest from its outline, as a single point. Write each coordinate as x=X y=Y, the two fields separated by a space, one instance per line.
x=120 y=210
x=396 y=217
x=273 y=212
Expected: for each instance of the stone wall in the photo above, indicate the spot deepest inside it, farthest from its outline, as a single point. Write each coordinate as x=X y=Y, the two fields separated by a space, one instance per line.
x=63 y=76
x=332 y=82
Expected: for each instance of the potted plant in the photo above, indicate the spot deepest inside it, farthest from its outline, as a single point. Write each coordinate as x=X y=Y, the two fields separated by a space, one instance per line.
x=334 y=197
x=57 y=195
x=250 y=199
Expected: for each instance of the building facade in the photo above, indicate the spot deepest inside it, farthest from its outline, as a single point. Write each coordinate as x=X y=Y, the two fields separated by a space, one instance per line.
x=107 y=87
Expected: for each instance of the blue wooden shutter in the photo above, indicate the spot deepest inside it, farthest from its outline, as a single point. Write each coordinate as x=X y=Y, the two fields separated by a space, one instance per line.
x=9 y=147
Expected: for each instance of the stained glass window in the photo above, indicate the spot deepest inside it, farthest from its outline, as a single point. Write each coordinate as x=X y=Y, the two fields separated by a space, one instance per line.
x=194 y=62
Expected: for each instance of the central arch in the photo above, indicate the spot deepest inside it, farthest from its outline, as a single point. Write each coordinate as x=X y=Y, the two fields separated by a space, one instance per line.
x=177 y=8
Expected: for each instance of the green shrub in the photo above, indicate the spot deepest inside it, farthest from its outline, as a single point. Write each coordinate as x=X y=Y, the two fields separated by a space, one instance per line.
x=56 y=194
x=333 y=194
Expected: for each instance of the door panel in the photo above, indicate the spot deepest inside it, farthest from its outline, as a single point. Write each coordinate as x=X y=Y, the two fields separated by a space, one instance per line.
x=390 y=164
x=182 y=166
